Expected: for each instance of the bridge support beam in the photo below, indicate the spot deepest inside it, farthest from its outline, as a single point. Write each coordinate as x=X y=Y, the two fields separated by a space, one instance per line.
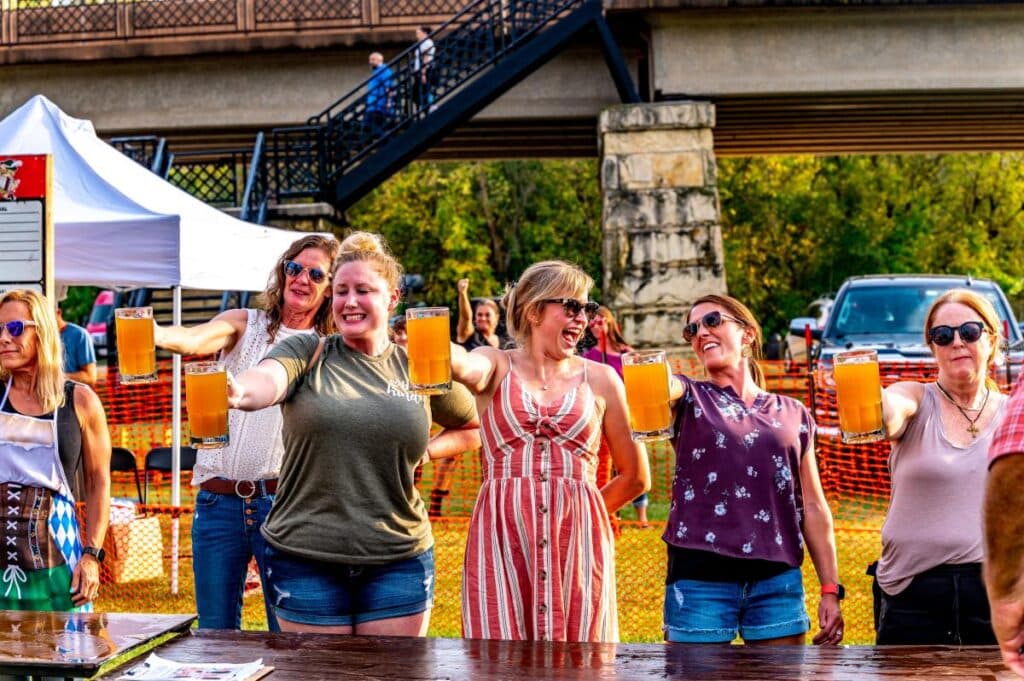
x=661 y=217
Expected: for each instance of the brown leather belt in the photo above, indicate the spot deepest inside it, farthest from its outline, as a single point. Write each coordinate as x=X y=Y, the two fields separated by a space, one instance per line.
x=246 y=489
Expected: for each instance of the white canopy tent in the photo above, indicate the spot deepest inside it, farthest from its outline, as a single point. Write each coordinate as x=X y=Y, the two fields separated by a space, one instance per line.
x=118 y=225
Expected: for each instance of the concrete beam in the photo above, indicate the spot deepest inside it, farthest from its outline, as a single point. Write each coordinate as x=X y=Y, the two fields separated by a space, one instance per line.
x=852 y=49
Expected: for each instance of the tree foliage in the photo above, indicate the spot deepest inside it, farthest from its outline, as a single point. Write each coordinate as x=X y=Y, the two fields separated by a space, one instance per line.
x=794 y=227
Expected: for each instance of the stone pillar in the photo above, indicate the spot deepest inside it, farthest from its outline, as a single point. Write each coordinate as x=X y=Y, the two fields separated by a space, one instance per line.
x=662 y=229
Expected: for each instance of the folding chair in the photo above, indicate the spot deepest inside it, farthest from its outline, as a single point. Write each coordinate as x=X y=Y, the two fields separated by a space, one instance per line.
x=159 y=459
x=123 y=460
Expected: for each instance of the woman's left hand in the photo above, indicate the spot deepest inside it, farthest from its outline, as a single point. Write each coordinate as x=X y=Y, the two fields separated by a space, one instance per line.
x=85 y=582
x=830 y=619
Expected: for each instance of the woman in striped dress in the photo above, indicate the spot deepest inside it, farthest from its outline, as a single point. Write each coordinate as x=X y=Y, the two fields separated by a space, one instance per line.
x=540 y=561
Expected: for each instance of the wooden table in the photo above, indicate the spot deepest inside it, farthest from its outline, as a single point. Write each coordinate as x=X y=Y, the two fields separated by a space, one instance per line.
x=75 y=644
x=310 y=657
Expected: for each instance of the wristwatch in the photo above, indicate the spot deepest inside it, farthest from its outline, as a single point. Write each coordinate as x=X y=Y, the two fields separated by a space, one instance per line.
x=838 y=589
x=98 y=554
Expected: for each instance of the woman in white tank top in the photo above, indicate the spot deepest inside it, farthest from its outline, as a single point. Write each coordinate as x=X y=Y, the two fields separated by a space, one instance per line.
x=237 y=483
x=928 y=587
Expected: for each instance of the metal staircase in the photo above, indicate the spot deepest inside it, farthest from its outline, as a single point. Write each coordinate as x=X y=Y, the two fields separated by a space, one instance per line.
x=348 y=149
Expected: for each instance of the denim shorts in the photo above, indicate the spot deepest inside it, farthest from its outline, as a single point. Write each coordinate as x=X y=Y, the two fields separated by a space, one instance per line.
x=698 y=611
x=336 y=594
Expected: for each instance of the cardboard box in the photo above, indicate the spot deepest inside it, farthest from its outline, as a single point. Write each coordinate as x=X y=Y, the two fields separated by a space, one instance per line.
x=135 y=551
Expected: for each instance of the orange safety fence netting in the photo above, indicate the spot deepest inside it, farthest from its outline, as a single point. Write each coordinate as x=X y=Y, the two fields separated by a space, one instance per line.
x=855 y=478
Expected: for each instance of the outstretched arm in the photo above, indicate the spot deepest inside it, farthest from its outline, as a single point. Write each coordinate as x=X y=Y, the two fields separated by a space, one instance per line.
x=220 y=333
x=263 y=385
x=633 y=473
x=900 y=401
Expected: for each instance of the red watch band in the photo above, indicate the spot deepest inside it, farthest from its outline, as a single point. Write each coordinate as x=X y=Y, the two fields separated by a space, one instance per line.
x=831 y=589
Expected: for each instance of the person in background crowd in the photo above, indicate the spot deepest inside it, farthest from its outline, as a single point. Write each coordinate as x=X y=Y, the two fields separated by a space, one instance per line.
x=79 y=352
x=479 y=327
x=380 y=95
x=608 y=349
x=745 y=497
x=540 y=556
x=1004 y=527
x=237 y=483
x=928 y=584
x=349 y=547
x=423 y=68
x=399 y=333
x=51 y=431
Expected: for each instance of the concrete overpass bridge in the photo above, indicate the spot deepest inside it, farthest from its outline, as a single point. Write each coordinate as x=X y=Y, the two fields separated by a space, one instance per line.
x=719 y=77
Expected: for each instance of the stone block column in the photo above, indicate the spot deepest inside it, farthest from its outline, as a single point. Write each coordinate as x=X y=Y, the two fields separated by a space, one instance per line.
x=661 y=217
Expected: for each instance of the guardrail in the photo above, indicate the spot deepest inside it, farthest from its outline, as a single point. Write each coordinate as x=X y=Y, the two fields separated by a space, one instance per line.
x=41 y=22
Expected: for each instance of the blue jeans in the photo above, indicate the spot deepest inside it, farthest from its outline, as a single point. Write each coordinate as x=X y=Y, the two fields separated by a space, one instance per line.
x=337 y=594
x=225 y=536
x=698 y=611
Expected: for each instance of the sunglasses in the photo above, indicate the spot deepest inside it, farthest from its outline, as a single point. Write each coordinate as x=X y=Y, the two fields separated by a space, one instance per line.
x=711 y=320
x=572 y=307
x=969 y=332
x=16 y=327
x=294 y=269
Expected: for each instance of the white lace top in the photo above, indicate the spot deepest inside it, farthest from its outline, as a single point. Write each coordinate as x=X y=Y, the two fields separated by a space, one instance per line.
x=255 y=449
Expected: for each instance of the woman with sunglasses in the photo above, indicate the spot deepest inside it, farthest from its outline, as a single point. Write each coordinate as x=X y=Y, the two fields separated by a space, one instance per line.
x=928 y=585
x=54 y=451
x=237 y=483
x=745 y=497
x=540 y=559
x=609 y=346
x=349 y=547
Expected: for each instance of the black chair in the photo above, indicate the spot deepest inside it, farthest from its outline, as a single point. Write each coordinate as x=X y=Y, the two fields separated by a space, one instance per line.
x=159 y=459
x=123 y=460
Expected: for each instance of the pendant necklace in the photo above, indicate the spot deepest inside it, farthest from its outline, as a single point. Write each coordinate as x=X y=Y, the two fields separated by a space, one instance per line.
x=971 y=427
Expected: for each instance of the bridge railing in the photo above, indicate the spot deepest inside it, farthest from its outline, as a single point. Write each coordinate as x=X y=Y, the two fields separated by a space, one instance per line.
x=38 y=22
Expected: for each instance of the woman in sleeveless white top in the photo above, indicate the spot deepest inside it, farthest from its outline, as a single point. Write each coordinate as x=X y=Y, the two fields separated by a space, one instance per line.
x=237 y=482
x=928 y=587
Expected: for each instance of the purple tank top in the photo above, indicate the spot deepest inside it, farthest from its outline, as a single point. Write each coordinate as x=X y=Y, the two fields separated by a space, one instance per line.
x=736 y=490
x=614 y=361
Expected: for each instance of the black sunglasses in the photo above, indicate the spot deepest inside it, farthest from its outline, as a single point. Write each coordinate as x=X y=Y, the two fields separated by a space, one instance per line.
x=711 y=320
x=969 y=332
x=294 y=269
x=572 y=307
x=17 y=327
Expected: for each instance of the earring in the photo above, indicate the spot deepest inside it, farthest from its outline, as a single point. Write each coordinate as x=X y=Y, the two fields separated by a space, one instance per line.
x=747 y=352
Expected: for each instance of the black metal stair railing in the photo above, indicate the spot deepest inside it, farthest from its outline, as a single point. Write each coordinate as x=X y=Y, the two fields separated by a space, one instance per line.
x=147 y=150
x=309 y=160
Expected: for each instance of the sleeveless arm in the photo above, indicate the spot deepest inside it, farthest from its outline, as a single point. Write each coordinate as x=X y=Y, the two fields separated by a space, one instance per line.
x=96 y=465
x=220 y=333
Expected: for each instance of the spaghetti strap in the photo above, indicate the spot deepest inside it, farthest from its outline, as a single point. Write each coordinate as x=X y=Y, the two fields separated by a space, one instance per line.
x=585 y=375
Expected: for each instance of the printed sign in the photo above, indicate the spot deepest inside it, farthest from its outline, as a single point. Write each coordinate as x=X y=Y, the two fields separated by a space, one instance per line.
x=26 y=231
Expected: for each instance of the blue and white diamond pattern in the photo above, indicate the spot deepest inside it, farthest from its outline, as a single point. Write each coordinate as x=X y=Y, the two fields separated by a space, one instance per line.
x=64 y=530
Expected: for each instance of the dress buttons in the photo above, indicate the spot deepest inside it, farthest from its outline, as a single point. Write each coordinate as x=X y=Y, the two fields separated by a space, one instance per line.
x=543 y=574
x=249 y=521
x=542 y=609
x=543 y=477
x=543 y=508
x=248 y=511
x=542 y=543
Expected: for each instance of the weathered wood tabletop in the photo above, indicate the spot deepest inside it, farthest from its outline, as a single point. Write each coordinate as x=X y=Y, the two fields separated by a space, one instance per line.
x=310 y=657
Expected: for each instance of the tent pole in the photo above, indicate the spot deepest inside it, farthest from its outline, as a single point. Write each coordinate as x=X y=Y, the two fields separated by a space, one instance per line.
x=175 y=443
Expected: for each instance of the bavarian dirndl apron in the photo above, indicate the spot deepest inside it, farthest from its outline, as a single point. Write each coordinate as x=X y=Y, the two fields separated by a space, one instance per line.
x=39 y=534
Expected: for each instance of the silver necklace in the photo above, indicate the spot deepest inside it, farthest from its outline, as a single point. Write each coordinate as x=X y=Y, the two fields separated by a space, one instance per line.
x=972 y=428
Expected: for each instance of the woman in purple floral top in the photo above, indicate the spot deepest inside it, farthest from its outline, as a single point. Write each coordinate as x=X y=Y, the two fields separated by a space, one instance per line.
x=745 y=497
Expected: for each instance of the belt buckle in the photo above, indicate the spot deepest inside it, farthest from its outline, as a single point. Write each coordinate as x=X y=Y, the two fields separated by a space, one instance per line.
x=250 y=495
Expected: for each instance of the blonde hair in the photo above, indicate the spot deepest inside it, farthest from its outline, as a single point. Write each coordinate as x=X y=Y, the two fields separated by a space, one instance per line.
x=540 y=281
x=985 y=310
x=370 y=248
x=272 y=297
x=741 y=312
x=48 y=386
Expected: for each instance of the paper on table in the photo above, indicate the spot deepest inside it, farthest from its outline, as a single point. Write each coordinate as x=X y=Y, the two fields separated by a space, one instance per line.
x=155 y=668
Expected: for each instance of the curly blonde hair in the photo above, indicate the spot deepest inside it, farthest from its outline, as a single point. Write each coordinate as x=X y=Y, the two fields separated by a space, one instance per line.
x=48 y=387
x=541 y=281
x=370 y=248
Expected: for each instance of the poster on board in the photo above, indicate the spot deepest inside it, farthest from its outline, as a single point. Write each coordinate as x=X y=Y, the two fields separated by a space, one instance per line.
x=26 y=227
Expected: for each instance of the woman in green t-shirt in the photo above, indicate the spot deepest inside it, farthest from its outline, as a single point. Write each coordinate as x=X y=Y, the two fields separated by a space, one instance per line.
x=349 y=548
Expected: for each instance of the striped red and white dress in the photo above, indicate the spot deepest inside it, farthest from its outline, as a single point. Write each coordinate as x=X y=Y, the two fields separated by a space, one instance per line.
x=540 y=557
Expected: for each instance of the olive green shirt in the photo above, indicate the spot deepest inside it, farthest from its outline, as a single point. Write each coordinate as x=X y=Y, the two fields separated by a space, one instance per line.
x=353 y=435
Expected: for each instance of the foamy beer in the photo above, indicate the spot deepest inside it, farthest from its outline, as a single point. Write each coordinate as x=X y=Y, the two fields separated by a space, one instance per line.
x=136 y=351
x=206 y=398
x=859 y=396
x=646 y=376
x=430 y=351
